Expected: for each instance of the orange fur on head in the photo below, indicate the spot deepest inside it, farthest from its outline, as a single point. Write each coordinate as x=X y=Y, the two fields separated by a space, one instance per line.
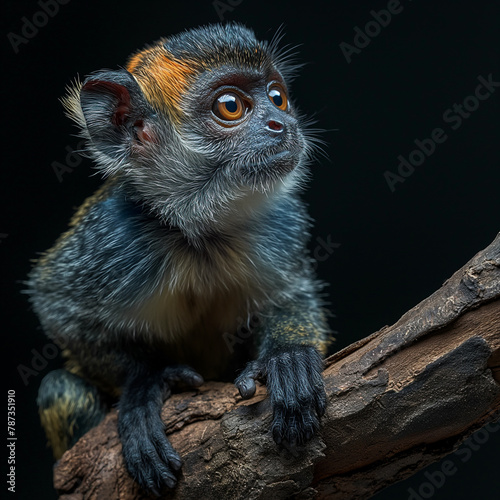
x=162 y=78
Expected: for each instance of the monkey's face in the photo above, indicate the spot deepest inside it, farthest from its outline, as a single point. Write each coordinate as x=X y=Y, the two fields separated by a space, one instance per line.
x=195 y=124
x=242 y=121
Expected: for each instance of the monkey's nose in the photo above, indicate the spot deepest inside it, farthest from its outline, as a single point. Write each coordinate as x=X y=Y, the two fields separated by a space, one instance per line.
x=275 y=126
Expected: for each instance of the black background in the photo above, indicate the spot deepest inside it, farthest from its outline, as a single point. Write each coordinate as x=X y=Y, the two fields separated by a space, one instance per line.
x=395 y=247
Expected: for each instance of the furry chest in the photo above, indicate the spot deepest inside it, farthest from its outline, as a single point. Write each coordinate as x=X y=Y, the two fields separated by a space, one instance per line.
x=171 y=315
x=195 y=329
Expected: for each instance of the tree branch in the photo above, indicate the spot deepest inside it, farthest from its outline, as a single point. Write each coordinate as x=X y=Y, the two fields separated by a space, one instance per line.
x=399 y=400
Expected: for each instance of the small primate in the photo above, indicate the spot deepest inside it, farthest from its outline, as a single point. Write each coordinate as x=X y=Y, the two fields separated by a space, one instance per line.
x=198 y=225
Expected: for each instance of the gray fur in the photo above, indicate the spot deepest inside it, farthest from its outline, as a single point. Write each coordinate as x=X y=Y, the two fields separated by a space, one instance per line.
x=200 y=215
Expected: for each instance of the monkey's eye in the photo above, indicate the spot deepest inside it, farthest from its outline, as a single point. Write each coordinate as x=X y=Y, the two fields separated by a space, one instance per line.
x=229 y=107
x=278 y=96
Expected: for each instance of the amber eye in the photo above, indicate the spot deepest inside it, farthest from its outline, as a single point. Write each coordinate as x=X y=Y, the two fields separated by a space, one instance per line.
x=278 y=97
x=229 y=107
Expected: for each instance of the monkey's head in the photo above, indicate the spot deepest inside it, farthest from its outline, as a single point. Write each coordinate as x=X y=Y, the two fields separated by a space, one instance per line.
x=200 y=124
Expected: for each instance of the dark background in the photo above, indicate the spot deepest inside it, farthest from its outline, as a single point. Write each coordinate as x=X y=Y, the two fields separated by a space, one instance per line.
x=395 y=249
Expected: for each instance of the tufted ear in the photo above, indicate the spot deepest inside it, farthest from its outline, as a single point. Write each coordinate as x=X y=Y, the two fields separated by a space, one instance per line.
x=115 y=111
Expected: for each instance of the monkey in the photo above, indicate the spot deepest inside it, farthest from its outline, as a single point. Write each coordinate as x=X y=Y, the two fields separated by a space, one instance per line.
x=199 y=223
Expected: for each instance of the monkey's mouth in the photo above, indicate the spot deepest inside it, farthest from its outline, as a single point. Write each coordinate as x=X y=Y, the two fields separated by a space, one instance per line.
x=278 y=163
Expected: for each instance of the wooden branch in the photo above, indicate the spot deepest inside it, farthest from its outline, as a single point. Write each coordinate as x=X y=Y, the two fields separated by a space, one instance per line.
x=398 y=400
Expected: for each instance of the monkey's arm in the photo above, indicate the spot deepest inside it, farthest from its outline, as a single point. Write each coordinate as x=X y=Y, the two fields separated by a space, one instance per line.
x=292 y=337
x=84 y=290
x=148 y=454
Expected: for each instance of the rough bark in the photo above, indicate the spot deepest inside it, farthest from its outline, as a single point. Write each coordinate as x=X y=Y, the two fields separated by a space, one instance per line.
x=399 y=400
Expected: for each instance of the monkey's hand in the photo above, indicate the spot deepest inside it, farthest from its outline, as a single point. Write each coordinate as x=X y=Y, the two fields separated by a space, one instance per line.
x=296 y=388
x=149 y=456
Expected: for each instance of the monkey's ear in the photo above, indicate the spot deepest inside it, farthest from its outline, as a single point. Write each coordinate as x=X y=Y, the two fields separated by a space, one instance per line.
x=114 y=108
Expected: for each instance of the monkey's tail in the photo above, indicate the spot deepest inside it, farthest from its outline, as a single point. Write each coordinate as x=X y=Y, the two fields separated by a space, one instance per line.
x=68 y=407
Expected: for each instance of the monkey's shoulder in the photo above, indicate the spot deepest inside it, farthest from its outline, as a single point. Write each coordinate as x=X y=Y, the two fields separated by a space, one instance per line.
x=109 y=244
x=116 y=247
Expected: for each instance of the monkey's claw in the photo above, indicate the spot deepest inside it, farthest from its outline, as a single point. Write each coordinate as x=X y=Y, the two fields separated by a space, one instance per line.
x=245 y=382
x=182 y=373
x=296 y=388
x=149 y=456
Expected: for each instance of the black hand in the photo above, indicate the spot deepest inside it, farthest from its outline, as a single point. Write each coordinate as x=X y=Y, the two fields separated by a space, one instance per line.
x=148 y=455
x=295 y=386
